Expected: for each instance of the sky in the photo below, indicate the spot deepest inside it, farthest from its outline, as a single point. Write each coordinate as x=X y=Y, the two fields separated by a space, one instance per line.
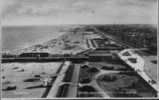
x=54 y=12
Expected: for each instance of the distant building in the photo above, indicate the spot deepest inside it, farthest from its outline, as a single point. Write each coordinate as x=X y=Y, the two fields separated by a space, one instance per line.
x=39 y=54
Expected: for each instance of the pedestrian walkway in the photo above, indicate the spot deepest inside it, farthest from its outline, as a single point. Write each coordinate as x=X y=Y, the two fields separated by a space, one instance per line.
x=57 y=83
x=138 y=65
x=74 y=83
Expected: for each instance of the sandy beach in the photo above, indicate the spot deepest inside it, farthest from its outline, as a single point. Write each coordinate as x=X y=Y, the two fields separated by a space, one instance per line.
x=17 y=74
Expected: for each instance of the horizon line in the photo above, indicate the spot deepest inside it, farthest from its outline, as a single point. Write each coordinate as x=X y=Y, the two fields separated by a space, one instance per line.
x=2 y=25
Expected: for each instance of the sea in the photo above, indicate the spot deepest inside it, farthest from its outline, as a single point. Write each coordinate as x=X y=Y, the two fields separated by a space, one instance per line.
x=18 y=37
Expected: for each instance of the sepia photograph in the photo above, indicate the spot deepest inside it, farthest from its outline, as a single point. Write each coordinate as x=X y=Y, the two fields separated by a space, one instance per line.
x=79 y=49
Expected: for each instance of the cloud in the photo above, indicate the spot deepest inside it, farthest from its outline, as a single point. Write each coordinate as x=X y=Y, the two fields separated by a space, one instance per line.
x=79 y=3
x=80 y=11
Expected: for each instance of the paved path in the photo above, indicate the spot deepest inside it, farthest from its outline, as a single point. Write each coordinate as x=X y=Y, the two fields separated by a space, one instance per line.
x=110 y=37
x=94 y=82
x=73 y=85
x=138 y=67
x=57 y=83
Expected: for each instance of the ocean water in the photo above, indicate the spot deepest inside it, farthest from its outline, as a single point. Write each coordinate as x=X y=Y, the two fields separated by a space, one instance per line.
x=17 y=37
